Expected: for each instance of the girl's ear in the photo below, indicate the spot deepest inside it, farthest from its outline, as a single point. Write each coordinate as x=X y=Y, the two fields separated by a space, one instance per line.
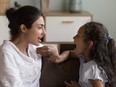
x=23 y=28
x=90 y=44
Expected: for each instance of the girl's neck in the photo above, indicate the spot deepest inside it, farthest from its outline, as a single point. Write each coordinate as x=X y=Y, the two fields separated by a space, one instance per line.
x=88 y=58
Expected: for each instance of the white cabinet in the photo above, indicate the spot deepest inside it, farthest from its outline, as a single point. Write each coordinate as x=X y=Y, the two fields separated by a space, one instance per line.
x=62 y=29
x=62 y=26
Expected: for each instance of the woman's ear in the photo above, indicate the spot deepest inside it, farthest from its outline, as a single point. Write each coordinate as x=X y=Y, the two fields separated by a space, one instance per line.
x=23 y=28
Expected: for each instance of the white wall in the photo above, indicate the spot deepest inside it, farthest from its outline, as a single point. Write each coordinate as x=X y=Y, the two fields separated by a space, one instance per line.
x=26 y=2
x=103 y=11
x=4 y=30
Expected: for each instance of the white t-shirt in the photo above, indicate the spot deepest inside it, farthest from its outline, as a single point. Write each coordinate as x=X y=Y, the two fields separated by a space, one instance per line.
x=17 y=69
x=89 y=71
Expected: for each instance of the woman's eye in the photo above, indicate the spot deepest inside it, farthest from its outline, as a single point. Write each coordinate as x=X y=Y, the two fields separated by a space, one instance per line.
x=40 y=27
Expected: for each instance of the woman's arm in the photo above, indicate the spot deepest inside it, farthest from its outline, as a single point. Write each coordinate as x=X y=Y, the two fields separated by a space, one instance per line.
x=9 y=73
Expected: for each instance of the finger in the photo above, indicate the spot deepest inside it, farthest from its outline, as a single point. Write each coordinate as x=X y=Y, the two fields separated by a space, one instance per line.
x=73 y=82
x=44 y=48
x=68 y=84
x=38 y=50
x=42 y=51
x=53 y=58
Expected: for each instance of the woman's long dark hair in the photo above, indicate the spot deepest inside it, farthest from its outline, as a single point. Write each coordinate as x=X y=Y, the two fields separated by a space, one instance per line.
x=103 y=50
x=26 y=15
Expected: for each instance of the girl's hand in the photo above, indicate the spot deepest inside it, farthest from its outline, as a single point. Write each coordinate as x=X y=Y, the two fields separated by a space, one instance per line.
x=72 y=84
x=50 y=52
x=47 y=51
x=97 y=83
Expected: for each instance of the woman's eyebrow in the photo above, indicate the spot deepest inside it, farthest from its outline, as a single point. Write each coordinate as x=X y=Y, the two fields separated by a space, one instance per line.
x=40 y=24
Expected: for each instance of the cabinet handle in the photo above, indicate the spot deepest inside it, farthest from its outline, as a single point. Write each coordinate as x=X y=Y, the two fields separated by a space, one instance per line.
x=67 y=21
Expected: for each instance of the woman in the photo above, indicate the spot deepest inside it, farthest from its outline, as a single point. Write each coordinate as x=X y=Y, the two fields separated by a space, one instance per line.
x=20 y=66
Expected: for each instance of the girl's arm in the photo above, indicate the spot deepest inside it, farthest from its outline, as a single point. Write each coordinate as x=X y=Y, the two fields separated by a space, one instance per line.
x=97 y=83
x=72 y=84
x=52 y=54
x=63 y=56
x=60 y=58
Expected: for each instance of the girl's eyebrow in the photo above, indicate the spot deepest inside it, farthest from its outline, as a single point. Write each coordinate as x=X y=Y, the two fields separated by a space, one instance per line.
x=78 y=32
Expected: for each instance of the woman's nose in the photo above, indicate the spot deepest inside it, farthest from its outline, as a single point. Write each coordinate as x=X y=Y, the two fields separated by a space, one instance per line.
x=44 y=32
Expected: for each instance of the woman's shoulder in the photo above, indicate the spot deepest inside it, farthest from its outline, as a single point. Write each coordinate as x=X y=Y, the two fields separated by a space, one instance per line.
x=6 y=46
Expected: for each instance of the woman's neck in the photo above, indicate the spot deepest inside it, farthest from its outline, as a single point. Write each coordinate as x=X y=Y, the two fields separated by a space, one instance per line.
x=21 y=45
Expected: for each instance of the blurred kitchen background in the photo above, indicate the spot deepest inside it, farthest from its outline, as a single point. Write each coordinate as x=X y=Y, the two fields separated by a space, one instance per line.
x=102 y=10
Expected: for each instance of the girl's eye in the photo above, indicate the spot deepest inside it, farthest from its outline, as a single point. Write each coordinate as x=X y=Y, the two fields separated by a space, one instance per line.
x=77 y=35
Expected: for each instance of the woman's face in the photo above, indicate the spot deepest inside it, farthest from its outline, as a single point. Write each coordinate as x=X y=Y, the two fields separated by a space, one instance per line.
x=79 y=41
x=37 y=31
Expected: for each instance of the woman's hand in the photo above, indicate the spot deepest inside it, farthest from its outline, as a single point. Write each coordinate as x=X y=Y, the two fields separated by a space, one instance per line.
x=72 y=84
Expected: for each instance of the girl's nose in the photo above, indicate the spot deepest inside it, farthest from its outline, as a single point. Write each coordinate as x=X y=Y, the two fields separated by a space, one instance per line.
x=74 y=37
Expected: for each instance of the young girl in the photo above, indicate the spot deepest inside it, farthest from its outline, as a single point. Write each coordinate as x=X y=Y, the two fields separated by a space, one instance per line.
x=97 y=53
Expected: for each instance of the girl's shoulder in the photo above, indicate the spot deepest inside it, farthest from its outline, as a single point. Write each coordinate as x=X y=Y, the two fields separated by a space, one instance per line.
x=94 y=72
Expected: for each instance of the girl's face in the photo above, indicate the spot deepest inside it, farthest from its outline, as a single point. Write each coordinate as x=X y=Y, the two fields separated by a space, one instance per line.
x=37 y=31
x=79 y=41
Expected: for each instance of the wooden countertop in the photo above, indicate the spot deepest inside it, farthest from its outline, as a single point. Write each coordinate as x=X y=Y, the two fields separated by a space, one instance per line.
x=59 y=13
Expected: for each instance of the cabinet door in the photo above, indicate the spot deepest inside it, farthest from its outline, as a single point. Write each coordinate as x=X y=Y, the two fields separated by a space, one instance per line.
x=63 y=28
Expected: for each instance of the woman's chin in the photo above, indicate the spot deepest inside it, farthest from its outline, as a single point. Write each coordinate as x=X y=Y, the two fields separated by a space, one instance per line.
x=37 y=44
